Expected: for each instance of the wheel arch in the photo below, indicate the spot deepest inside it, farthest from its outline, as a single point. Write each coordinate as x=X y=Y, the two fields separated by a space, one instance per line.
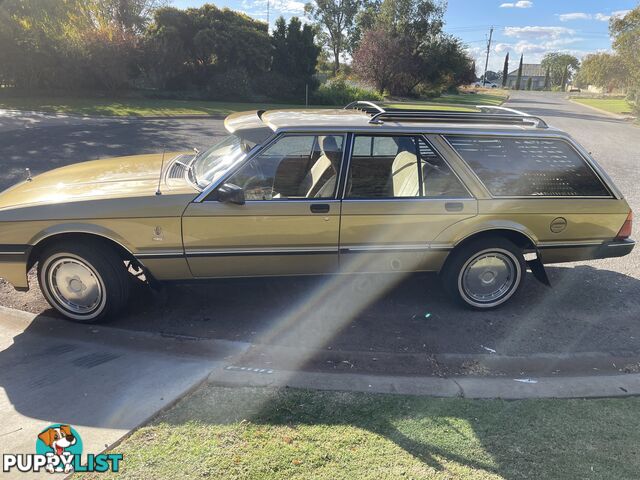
x=519 y=238
x=51 y=238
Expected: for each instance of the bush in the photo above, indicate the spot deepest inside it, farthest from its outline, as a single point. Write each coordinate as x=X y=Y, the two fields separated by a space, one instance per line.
x=276 y=86
x=339 y=92
x=232 y=84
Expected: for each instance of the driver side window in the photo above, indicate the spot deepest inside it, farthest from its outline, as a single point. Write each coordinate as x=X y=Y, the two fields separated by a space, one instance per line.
x=294 y=167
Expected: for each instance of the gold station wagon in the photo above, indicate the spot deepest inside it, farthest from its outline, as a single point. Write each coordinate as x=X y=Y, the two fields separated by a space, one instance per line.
x=478 y=196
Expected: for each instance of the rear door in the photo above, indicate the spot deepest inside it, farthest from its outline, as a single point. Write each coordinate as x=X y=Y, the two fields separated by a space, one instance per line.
x=399 y=195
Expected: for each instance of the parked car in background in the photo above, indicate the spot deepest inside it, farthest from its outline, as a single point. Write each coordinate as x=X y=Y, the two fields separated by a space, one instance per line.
x=485 y=85
x=479 y=197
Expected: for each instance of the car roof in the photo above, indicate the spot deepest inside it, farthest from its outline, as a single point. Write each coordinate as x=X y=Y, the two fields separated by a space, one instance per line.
x=398 y=120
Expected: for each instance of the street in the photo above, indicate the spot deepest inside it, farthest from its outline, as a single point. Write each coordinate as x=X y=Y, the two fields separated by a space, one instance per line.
x=593 y=307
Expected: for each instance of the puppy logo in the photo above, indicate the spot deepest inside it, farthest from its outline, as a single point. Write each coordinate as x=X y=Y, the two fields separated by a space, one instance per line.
x=59 y=450
x=59 y=441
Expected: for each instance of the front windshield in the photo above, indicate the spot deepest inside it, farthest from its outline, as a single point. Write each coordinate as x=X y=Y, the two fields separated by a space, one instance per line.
x=211 y=164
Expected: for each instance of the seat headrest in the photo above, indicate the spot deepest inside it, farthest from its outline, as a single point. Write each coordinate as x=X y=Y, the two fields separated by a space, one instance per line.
x=406 y=144
x=328 y=144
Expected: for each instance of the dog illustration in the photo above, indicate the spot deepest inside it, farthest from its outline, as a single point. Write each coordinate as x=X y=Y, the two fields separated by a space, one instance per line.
x=58 y=439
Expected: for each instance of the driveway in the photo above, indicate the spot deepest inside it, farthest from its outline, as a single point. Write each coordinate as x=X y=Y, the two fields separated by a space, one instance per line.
x=588 y=322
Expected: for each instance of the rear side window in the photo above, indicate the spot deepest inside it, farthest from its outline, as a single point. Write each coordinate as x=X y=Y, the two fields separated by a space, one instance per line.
x=528 y=167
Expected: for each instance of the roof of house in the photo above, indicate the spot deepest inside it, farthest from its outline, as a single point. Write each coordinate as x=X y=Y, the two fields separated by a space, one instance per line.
x=531 y=70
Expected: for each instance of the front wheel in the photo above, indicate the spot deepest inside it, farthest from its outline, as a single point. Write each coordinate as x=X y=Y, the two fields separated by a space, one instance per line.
x=85 y=282
x=484 y=274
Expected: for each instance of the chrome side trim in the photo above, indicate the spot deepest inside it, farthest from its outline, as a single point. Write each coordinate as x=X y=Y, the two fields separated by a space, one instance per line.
x=569 y=244
x=394 y=248
x=176 y=253
x=245 y=252
x=411 y=199
x=621 y=244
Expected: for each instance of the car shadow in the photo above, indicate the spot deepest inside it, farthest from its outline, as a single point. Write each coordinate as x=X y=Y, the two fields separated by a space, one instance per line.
x=587 y=310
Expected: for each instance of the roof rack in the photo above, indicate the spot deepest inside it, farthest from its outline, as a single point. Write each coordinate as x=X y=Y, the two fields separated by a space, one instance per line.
x=486 y=114
x=365 y=106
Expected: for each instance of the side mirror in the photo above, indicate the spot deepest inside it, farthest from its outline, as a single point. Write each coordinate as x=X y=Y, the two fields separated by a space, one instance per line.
x=230 y=193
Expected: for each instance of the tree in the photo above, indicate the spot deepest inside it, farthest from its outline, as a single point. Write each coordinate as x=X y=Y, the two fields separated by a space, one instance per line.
x=603 y=70
x=429 y=58
x=561 y=67
x=626 y=43
x=505 y=70
x=295 y=54
x=380 y=58
x=492 y=76
x=519 y=77
x=364 y=21
x=547 y=80
x=529 y=83
x=204 y=42
x=335 y=19
x=419 y=20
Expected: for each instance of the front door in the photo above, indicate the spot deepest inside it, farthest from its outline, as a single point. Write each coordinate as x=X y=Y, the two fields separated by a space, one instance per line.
x=400 y=195
x=289 y=224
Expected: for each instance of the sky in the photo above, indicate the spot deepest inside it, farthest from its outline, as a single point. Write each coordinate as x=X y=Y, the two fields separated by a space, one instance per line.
x=528 y=27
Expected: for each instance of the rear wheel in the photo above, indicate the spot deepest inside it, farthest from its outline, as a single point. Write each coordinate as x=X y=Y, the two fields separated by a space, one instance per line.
x=85 y=282
x=485 y=273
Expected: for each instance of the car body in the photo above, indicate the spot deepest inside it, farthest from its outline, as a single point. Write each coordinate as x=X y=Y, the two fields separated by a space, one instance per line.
x=485 y=84
x=477 y=196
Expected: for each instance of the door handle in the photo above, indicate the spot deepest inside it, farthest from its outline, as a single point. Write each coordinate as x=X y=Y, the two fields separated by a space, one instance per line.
x=320 y=208
x=454 y=206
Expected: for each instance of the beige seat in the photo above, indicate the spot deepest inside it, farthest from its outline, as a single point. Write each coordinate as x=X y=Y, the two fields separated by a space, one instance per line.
x=404 y=172
x=324 y=171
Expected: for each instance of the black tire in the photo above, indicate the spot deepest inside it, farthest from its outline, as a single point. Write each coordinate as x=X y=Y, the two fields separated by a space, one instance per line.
x=99 y=266
x=458 y=272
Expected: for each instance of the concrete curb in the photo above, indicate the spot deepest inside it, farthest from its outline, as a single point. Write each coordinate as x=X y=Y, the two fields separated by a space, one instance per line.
x=462 y=387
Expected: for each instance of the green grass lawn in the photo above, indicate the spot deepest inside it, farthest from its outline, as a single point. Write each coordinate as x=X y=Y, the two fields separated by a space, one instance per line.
x=146 y=107
x=253 y=433
x=613 y=105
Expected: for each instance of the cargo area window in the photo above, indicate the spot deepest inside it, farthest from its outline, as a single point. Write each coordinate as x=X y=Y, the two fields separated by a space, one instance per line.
x=399 y=167
x=528 y=167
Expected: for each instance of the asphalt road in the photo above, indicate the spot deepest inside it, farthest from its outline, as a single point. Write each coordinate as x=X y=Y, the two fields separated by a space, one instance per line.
x=593 y=306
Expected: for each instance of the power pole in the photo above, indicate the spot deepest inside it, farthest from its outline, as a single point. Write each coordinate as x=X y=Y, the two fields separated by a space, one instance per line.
x=267 y=16
x=486 y=63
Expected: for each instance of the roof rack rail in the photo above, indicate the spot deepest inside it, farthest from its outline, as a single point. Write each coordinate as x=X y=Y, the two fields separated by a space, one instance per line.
x=365 y=106
x=488 y=114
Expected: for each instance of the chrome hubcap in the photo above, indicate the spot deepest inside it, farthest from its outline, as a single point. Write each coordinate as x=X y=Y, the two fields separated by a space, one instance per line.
x=488 y=277
x=74 y=285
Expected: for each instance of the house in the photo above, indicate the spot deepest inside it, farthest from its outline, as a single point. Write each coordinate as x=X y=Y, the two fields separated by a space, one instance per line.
x=532 y=71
